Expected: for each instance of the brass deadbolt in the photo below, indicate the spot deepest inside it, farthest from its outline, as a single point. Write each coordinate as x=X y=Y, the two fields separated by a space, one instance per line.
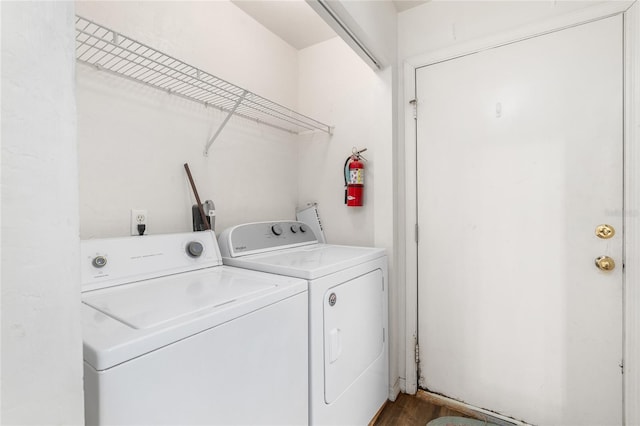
x=605 y=263
x=605 y=231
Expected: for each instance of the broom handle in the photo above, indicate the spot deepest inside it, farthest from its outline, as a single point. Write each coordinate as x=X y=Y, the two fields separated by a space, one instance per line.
x=207 y=226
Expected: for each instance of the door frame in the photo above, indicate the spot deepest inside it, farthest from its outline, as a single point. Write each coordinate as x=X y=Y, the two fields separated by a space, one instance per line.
x=631 y=149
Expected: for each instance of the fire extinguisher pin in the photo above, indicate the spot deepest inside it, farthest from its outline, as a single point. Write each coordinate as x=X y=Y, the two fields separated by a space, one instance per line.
x=358 y=153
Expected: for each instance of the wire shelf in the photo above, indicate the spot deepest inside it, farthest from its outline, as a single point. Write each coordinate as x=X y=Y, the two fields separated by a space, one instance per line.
x=115 y=53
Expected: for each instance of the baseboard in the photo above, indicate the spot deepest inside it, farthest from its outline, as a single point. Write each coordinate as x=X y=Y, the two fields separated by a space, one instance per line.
x=468 y=410
x=403 y=384
x=373 y=421
x=395 y=389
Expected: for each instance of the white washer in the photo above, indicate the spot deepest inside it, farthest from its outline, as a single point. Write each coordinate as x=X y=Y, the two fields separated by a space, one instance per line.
x=173 y=337
x=348 y=342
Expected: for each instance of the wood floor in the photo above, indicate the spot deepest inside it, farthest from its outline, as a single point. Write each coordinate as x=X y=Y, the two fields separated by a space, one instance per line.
x=413 y=410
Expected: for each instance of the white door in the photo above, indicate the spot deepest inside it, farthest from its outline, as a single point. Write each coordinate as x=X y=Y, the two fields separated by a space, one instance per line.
x=519 y=153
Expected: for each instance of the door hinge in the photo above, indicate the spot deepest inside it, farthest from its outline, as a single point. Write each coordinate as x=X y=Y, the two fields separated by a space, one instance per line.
x=621 y=366
x=414 y=104
x=417 y=354
x=417 y=230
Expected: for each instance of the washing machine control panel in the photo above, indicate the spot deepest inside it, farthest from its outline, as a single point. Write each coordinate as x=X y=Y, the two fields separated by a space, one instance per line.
x=109 y=262
x=251 y=238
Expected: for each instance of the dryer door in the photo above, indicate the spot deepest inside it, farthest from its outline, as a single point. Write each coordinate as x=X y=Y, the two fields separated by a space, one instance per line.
x=353 y=331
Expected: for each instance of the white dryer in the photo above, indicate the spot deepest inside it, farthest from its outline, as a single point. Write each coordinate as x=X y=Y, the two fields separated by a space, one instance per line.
x=348 y=342
x=173 y=337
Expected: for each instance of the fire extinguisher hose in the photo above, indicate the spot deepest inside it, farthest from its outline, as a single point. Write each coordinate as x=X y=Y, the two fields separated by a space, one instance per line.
x=346 y=172
x=346 y=164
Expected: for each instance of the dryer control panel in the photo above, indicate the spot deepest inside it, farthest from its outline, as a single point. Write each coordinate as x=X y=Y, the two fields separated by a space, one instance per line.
x=259 y=237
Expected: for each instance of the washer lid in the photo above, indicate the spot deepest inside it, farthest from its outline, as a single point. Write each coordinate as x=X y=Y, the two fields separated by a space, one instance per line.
x=308 y=262
x=123 y=322
x=152 y=303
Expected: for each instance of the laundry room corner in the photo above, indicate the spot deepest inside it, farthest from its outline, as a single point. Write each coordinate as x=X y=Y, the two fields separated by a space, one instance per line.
x=83 y=149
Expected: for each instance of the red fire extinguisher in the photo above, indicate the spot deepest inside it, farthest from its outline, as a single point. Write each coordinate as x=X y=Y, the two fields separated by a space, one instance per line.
x=354 y=178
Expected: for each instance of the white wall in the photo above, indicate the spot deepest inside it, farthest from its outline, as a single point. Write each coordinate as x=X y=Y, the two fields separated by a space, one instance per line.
x=134 y=140
x=339 y=88
x=438 y=24
x=41 y=336
x=336 y=87
x=632 y=216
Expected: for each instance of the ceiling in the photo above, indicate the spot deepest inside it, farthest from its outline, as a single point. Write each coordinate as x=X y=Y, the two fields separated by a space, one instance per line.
x=402 y=5
x=295 y=22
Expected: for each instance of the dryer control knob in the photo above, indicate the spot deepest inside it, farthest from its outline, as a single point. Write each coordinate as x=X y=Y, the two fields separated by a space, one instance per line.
x=195 y=249
x=304 y=228
x=99 y=261
x=295 y=228
x=276 y=229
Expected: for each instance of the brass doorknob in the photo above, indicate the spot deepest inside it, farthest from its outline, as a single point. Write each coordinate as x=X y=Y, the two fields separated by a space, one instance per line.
x=605 y=263
x=605 y=231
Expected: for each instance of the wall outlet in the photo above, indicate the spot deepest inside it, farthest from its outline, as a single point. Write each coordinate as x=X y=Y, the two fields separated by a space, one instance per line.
x=138 y=217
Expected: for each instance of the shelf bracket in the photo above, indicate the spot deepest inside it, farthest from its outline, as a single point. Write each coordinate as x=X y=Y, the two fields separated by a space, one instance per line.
x=224 y=123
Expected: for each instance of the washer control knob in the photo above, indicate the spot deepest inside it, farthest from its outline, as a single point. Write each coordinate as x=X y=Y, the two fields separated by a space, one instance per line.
x=295 y=228
x=276 y=229
x=99 y=261
x=195 y=249
x=304 y=228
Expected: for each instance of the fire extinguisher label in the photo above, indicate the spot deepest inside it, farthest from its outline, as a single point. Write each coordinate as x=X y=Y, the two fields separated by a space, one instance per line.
x=356 y=176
